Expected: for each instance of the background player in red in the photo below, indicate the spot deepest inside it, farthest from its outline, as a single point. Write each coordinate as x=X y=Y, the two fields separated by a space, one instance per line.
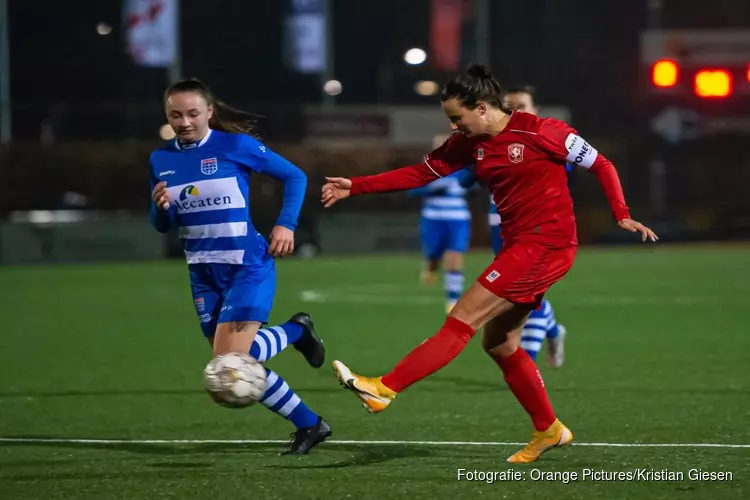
x=521 y=157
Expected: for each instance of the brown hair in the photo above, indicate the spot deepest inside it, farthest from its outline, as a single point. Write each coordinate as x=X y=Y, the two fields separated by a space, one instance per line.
x=225 y=117
x=475 y=85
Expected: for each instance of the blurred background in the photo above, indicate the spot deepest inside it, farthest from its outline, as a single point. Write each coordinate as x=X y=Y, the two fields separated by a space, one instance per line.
x=662 y=87
x=656 y=354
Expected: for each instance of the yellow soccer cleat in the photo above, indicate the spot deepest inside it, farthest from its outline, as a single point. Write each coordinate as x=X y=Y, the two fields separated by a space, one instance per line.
x=428 y=278
x=557 y=436
x=374 y=395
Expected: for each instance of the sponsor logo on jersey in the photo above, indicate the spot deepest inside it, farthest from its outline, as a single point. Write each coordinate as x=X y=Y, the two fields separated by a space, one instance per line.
x=200 y=304
x=214 y=194
x=188 y=190
x=492 y=276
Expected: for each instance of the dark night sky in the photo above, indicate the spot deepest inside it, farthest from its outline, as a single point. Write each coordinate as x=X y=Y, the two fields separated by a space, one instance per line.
x=573 y=50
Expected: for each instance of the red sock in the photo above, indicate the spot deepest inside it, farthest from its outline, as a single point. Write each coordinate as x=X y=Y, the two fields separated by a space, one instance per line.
x=527 y=385
x=430 y=356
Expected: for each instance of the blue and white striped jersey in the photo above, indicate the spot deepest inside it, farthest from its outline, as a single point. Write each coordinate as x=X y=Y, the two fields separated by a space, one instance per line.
x=209 y=191
x=445 y=198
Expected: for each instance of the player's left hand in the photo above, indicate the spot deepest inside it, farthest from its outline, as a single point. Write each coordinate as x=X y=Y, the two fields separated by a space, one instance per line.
x=636 y=227
x=282 y=242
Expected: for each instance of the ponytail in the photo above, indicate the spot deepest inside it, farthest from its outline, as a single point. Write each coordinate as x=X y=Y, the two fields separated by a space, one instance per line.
x=229 y=119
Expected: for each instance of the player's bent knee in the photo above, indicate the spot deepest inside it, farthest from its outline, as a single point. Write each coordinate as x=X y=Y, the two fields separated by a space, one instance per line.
x=501 y=336
x=503 y=350
x=478 y=306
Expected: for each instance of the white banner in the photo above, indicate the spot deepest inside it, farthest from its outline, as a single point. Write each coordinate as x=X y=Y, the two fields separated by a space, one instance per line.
x=696 y=47
x=151 y=31
x=306 y=36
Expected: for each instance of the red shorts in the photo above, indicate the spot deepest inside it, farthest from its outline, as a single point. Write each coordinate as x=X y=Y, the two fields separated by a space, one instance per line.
x=523 y=271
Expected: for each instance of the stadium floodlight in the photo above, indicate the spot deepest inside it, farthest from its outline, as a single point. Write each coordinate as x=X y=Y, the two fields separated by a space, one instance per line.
x=415 y=56
x=103 y=29
x=426 y=87
x=166 y=133
x=332 y=87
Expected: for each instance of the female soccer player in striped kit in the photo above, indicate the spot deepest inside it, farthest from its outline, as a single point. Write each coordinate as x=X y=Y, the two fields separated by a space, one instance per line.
x=445 y=230
x=200 y=184
x=521 y=157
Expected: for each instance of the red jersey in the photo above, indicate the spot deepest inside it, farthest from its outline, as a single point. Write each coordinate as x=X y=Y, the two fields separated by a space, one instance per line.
x=524 y=166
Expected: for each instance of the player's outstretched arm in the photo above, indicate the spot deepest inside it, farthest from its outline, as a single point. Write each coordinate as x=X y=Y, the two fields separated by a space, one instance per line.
x=401 y=179
x=335 y=189
x=564 y=143
x=606 y=174
x=453 y=155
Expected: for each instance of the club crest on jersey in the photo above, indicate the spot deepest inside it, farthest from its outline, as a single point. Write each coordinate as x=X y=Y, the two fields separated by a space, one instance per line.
x=515 y=152
x=209 y=166
x=480 y=154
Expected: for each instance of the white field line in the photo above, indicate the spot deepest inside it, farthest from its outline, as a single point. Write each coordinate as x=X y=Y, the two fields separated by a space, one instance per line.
x=353 y=442
x=392 y=295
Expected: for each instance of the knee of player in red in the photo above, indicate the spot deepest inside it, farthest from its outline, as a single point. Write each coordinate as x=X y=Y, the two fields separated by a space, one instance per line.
x=430 y=356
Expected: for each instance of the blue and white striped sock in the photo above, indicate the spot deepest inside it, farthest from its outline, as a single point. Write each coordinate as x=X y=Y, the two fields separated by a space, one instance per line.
x=540 y=325
x=272 y=340
x=282 y=400
x=552 y=329
x=454 y=286
x=532 y=336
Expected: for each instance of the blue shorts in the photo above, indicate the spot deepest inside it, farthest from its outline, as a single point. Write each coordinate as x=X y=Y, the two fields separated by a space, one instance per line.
x=440 y=236
x=497 y=239
x=230 y=292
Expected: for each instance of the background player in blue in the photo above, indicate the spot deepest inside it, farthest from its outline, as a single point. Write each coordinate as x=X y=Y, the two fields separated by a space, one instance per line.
x=445 y=230
x=542 y=323
x=200 y=184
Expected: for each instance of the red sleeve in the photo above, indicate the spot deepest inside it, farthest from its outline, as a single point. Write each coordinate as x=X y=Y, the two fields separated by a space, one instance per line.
x=563 y=143
x=453 y=155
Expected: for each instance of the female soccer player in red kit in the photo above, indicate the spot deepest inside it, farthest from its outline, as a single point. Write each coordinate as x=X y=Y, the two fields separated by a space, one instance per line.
x=521 y=157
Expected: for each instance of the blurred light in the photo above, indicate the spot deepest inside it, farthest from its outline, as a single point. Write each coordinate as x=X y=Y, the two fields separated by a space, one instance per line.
x=166 y=132
x=103 y=29
x=426 y=87
x=748 y=73
x=415 y=56
x=713 y=83
x=664 y=73
x=332 y=87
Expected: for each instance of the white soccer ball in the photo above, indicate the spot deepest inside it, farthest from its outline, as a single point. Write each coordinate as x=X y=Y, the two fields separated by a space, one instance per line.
x=235 y=380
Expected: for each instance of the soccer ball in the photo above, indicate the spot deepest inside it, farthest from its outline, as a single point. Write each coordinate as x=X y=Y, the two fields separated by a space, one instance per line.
x=235 y=380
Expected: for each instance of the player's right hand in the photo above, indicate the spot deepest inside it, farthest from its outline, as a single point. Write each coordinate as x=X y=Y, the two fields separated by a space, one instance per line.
x=335 y=189
x=160 y=195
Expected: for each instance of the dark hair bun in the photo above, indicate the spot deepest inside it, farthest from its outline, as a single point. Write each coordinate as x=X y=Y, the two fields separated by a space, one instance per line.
x=479 y=71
